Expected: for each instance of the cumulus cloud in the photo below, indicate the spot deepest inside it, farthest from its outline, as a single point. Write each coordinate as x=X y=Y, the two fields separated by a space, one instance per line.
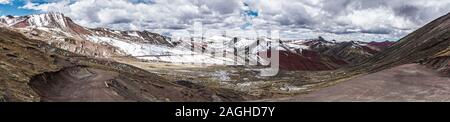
x=378 y=19
x=5 y=1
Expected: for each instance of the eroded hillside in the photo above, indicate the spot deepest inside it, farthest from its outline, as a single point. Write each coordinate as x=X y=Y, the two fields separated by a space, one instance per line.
x=32 y=70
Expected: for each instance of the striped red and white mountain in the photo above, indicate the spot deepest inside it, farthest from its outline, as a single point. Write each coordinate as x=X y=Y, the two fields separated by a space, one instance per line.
x=63 y=32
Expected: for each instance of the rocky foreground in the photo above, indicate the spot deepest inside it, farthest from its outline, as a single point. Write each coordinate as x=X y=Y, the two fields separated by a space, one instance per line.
x=32 y=70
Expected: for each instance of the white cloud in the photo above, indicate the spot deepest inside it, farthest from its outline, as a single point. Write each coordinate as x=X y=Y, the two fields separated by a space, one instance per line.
x=54 y=6
x=378 y=19
x=5 y=1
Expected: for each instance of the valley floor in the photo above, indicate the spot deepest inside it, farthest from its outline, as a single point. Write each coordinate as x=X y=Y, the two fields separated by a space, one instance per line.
x=235 y=78
x=410 y=82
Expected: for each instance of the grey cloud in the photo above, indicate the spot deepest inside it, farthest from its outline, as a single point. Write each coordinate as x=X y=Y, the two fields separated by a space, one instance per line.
x=408 y=11
x=334 y=7
x=221 y=6
x=377 y=31
x=293 y=15
x=386 y=17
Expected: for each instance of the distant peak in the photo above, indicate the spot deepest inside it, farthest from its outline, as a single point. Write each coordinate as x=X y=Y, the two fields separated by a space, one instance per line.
x=54 y=13
x=10 y=16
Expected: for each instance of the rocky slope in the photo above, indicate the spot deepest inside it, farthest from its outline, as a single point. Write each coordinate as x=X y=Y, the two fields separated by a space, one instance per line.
x=32 y=70
x=428 y=45
x=61 y=31
x=321 y=54
x=352 y=52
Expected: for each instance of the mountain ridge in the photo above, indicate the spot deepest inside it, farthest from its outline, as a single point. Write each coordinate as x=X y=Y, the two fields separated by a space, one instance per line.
x=423 y=45
x=60 y=31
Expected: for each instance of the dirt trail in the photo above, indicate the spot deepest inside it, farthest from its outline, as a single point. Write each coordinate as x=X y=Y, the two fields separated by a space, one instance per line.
x=76 y=84
x=410 y=82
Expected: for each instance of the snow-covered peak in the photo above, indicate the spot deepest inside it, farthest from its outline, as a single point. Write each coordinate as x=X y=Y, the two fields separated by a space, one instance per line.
x=48 y=20
x=11 y=20
x=133 y=33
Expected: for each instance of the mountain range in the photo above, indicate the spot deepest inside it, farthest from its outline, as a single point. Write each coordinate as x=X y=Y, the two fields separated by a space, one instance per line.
x=48 y=57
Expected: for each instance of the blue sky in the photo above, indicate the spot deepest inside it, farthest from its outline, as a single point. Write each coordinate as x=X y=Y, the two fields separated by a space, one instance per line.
x=13 y=8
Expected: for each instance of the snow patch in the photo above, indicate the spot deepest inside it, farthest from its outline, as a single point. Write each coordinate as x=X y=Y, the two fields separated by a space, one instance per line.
x=222 y=75
x=135 y=34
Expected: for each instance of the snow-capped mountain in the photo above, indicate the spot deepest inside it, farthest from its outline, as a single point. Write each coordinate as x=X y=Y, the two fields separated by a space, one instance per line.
x=354 y=51
x=60 y=31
